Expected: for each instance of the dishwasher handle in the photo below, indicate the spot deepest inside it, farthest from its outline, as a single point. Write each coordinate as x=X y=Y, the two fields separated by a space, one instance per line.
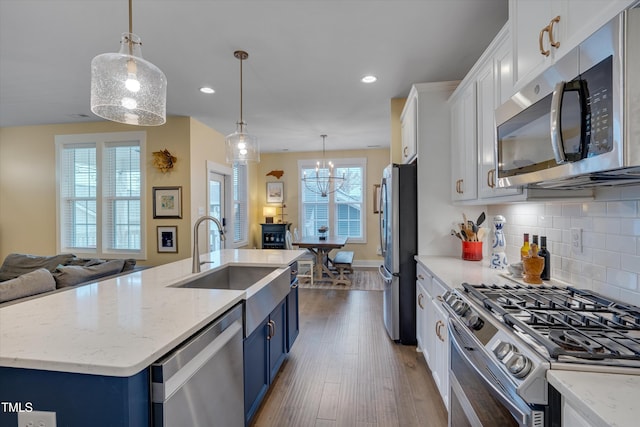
x=174 y=370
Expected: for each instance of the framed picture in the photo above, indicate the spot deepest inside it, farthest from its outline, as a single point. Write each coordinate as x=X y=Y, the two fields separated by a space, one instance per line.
x=275 y=192
x=167 y=202
x=376 y=198
x=168 y=238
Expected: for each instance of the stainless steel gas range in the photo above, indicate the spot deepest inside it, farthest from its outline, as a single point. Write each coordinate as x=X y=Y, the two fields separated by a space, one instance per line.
x=505 y=338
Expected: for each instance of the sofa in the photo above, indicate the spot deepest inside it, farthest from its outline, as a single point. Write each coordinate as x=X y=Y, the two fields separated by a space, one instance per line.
x=23 y=276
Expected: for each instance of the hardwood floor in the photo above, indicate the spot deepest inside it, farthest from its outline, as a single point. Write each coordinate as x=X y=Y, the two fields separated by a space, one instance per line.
x=343 y=370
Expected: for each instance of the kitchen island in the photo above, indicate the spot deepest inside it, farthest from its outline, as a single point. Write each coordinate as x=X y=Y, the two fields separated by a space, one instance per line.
x=109 y=332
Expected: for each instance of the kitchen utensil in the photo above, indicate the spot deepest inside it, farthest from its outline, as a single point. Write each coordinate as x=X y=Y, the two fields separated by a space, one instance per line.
x=480 y=219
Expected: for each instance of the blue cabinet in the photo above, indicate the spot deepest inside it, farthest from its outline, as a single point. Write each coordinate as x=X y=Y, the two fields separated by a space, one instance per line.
x=77 y=398
x=264 y=352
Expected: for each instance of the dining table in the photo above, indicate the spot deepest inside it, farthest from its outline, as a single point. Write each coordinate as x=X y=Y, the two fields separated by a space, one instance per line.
x=321 y=248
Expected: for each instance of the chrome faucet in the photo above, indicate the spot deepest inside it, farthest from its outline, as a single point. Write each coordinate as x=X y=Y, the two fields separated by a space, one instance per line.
x=196 y=250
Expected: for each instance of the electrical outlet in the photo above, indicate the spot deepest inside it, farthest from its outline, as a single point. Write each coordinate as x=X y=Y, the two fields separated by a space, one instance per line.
x=576 y=240
x=37 y=419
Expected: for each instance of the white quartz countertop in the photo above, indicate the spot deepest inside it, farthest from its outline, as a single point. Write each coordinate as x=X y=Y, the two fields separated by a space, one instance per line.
x=119 y=326
x=603 y=399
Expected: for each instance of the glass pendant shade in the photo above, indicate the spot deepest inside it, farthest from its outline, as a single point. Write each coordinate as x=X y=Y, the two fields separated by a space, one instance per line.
x=242 y=147
x=126 y=88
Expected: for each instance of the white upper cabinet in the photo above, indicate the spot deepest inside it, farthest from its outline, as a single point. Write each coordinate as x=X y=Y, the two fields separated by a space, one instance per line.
x=493 y=80
x=464 y=151
x=545 y=30
x=409 y=123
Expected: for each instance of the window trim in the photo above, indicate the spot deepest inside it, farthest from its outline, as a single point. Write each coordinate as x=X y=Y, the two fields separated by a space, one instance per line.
x=99 y=140
x=245 y=242
x=337 y=163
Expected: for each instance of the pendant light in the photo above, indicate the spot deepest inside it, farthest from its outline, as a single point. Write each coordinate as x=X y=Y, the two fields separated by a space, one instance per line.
x=241 y=147
x=126 y=88
x=323 y=181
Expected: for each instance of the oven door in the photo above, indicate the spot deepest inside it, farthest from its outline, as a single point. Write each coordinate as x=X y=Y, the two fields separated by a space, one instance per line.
x=481 y=394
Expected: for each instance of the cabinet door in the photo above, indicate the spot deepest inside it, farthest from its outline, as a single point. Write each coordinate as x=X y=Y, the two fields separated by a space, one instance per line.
x=487 y=95
x=441 y=371
x=464 y=161
x=409 y=123
x=277 y=339
x=293 y=316
x=528 y=18
x=422 y=305
x=256 y=371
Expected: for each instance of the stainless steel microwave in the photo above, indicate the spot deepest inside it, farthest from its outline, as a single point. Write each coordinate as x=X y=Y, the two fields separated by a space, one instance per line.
x=578 y=124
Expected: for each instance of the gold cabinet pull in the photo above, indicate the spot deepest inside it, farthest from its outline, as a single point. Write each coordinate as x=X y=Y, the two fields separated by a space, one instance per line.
x=439 y=298
x=420 y=296
x=491 y=178
x=552 y=41
x=404 y=152
x=459 y=186
x=420 y=277
x=437 y=327
x=439 y=334
x=540 y=38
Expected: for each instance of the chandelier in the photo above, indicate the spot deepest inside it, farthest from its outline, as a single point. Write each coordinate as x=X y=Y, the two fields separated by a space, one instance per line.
x=126 y=88
x=323 y=181
x=241 y=147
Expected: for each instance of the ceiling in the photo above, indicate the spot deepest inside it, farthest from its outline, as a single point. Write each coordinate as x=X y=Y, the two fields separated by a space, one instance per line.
x=302 y=77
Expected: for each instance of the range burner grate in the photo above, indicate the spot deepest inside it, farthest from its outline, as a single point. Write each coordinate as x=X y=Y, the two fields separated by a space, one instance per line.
x=566 y=321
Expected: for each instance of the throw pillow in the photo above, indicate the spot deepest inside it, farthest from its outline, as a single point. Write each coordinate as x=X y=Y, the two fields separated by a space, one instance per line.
x=71 y=275
x=15 y=265
x=35 y=282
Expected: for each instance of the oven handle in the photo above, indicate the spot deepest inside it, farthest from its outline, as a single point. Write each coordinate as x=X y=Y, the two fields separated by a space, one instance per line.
x=454 y=327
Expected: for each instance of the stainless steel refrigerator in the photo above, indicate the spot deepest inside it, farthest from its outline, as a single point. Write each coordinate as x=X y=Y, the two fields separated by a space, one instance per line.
x=399 y=244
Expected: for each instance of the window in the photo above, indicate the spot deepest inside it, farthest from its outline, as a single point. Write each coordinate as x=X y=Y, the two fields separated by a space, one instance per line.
x=100 y=190
x=240 y=205
x=343 y=210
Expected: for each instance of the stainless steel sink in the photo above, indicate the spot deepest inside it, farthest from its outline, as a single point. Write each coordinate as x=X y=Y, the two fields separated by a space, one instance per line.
x=265 y=288
x=233 y=277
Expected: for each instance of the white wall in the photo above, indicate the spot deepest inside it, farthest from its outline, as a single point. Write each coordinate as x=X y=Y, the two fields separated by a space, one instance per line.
x=610 y=261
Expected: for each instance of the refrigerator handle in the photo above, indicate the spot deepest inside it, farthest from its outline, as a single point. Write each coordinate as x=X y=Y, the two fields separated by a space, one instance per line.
x=383 y=272
x=381 y=214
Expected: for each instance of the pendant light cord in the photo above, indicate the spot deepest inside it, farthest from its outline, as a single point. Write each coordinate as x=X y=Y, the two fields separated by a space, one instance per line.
x=130 y=27
x=241 y=120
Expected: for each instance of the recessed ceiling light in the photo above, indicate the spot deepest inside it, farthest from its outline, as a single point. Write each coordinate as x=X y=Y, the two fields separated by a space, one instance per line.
x=207 y=90
x=368 y=79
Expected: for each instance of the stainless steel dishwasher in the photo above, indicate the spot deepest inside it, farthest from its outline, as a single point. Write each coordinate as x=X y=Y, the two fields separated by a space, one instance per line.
x=201 y=382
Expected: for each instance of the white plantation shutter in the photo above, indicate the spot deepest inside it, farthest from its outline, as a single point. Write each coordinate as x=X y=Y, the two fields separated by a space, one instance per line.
x=240 y=204
x=100 y=191
x=78 y=190
x=121 y=196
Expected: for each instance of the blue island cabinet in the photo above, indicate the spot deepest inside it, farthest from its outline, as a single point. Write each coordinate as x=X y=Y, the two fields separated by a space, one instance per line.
x=264 y=352
x=77 y=399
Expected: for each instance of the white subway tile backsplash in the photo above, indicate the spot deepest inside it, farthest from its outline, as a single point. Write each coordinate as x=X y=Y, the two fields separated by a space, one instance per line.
x=622 y=279
x=606 y=258
x=622 y=244
x=630 y=226
x=630 y=263
x=623 y=208
x=610 y=261
x=594 y=209
x=606 y=225
x=572 y=209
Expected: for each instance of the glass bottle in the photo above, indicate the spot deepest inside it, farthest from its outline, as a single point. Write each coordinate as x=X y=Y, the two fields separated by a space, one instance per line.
x=534 y=240
x=524 y=250
x=544 y=253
